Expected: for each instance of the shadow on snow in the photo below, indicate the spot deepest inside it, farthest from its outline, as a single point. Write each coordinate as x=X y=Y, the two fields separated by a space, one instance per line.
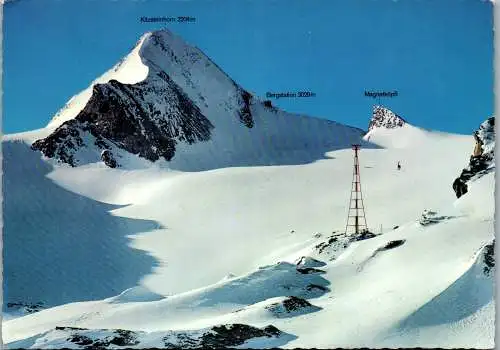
x=59 y=246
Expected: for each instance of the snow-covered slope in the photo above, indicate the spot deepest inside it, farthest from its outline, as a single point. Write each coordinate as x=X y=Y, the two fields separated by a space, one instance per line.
x=130 y=70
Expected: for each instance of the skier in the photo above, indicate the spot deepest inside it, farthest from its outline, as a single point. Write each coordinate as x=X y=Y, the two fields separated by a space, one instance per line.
x=399 y=166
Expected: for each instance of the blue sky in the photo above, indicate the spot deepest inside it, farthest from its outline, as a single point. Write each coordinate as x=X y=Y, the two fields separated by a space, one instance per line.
x=437 y=54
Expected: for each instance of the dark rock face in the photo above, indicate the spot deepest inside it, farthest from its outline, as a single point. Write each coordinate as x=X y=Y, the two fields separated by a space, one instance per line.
x=245 y=113
x=218 y=337
x=28 y=308
x=489 y=258
x=478 y=164
x=383 y=117
x=338 y=242
x=118 y=337
x=460 y=187
x=80 y=340
x=123 y=115
x=122 y=338
x=309 y=270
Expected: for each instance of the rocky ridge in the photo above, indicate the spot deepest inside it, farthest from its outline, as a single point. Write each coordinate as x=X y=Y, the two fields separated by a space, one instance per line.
x=149 y=118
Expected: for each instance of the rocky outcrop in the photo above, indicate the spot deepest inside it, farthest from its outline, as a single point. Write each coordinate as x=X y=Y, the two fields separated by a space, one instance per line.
x=482 y=159
x=309 y=270
x=216 y=337
x=489 y=259
x=387 y=246
x=361 y=236
x=108 y=158
x=290 y=307
x=245 y=113
x=335 y=244
x=293 y=303
x=430 y=217
x=167 y=101
x=385 y=118
x=309 y=262
x=25 y=308
x=83 y=338
x=460 y=187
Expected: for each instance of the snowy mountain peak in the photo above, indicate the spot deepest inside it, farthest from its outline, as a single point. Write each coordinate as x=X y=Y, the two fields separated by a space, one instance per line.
x=384 y=118
x=485 y=136
x=167 y=97
x=482 y=160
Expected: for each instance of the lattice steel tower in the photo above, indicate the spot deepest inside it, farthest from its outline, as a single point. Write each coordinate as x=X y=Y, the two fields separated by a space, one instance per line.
x=356 y=215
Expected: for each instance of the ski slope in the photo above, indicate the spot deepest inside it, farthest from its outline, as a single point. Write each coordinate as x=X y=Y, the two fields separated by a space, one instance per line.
x=154 y=250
